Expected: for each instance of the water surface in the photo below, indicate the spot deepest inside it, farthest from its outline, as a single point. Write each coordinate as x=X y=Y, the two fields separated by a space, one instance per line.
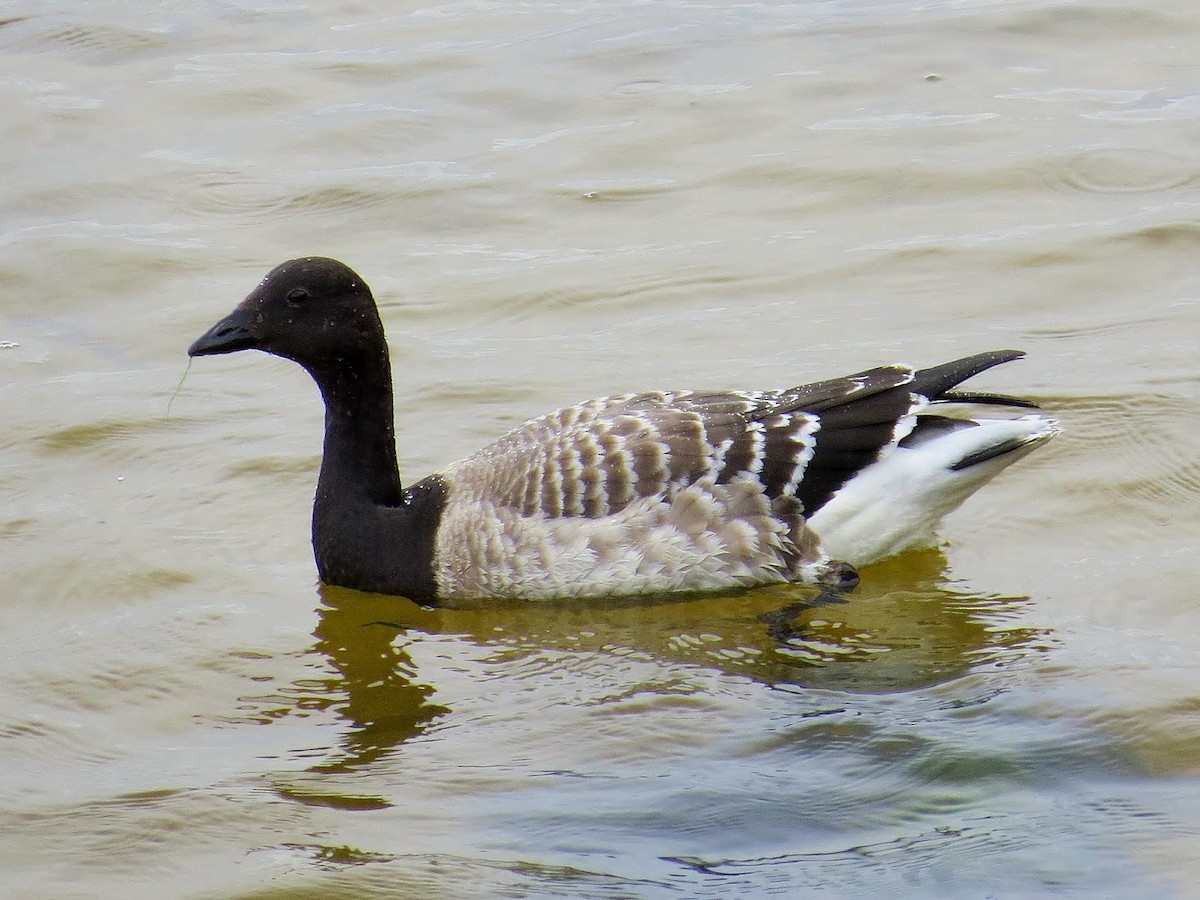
x=553 y=202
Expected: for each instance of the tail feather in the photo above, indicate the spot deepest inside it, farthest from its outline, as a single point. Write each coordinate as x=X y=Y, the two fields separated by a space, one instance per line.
x=995 y=451
x=864 y=417
x=986 y=399
x=896 y=503
x=869 y=493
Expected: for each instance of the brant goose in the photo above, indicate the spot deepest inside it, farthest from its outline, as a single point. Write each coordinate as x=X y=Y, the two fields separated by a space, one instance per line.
x=639 y=493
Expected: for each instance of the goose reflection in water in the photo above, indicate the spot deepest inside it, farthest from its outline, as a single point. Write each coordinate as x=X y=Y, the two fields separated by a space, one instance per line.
x=906 y=627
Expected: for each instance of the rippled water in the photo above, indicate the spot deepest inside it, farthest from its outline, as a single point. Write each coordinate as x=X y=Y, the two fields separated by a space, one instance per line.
x=553 y=202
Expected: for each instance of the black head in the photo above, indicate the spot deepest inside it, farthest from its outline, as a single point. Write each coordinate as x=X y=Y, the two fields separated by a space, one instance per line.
x=313 y=310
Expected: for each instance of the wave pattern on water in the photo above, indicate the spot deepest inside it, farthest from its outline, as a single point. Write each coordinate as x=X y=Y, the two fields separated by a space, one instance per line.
x=555 y=201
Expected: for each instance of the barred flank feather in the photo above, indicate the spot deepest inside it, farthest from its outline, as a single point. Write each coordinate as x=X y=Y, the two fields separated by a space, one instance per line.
x=688 y=484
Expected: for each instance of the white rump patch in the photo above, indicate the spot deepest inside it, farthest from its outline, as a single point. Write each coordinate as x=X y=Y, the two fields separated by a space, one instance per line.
x=895 y=503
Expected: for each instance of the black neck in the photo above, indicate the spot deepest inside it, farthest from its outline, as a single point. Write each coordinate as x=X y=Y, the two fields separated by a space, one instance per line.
x=359 y=462
x=368 y=532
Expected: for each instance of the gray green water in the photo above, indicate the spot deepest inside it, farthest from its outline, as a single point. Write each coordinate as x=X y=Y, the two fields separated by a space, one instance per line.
x=553 y=202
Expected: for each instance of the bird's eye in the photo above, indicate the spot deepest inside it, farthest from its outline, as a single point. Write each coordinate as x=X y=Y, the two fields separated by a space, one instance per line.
x=296 y=296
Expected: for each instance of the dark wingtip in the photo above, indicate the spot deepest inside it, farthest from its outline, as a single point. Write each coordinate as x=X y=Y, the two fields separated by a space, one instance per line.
x=936 y=381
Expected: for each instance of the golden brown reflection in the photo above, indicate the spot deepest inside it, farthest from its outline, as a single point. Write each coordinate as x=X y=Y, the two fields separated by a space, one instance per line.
x=904 y=627
x=379 y=689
